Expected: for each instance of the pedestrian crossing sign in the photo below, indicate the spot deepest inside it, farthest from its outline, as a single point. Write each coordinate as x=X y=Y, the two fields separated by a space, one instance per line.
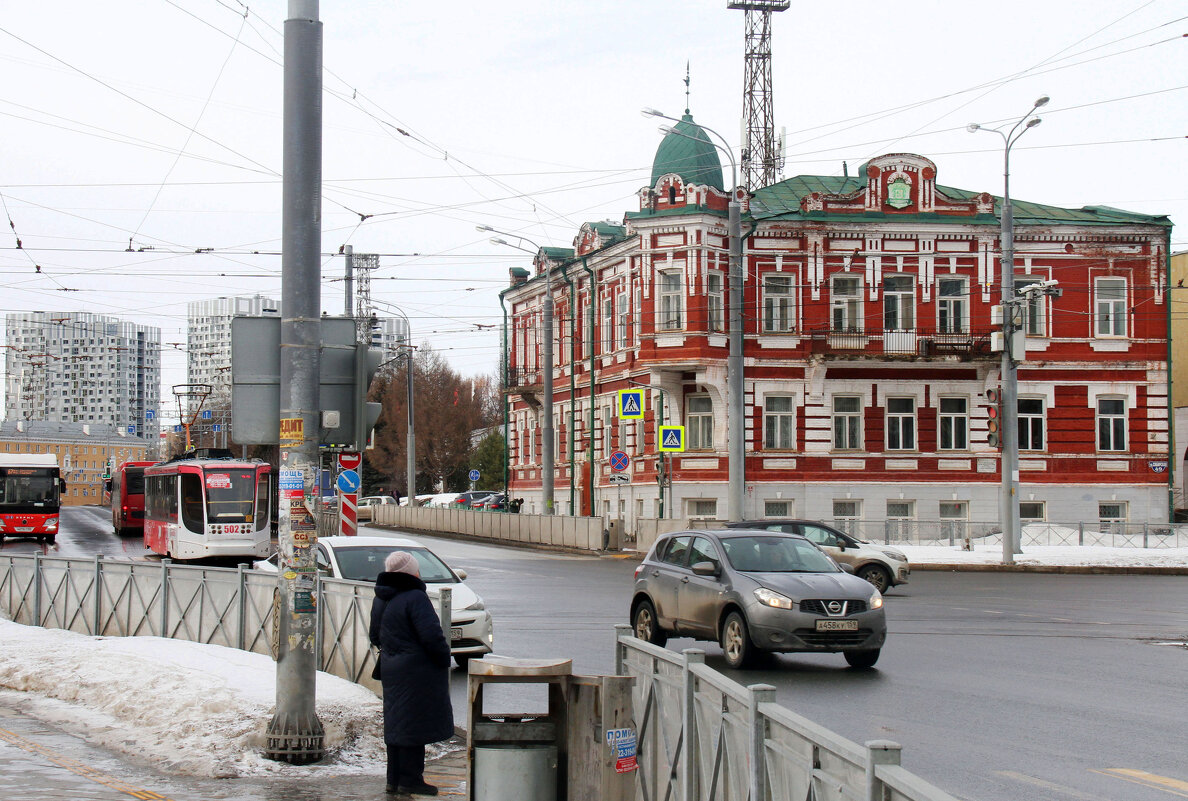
x=672 y=438
x=631 y=404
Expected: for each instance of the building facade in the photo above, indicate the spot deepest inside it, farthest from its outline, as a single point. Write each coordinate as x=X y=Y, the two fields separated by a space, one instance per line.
x=77 y=367
x=86 y=453
x=870 y=363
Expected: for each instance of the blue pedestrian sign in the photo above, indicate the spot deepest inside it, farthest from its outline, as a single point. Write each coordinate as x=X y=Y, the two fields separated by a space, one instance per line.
x=672 y=438
x=150 y=414
x=348 y=481
x=619 y=461
x=177 y=429
x=631 y=404
x=207 y=414
x=217 y=427
x=474 y=475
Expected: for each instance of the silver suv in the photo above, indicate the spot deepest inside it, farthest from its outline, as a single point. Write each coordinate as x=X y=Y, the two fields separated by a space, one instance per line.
x=755 y=591
x=881 y=565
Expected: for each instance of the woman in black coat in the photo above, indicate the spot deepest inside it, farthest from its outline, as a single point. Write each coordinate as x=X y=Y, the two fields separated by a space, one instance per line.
x=415 y=672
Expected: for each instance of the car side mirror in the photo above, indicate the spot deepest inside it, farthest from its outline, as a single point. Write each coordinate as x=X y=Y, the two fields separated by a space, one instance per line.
x=460 y=573
x=706 y=569
x=841 y=544
x=846 y=568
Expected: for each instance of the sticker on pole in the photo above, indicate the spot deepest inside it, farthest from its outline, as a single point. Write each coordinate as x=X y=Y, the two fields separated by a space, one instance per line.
x=291 y=480
x=672 y=438
x=631 y=404
x=292 y=432
x=622 y=742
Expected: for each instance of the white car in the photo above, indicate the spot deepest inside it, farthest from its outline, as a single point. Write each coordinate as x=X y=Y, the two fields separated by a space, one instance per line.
x=365 y=506
x=472 y=632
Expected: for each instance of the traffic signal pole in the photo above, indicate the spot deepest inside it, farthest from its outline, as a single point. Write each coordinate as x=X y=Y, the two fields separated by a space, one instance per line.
x=295 y=734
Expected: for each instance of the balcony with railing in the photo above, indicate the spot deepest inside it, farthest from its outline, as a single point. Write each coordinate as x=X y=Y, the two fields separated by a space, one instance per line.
x=524 y=379
x=903 y=342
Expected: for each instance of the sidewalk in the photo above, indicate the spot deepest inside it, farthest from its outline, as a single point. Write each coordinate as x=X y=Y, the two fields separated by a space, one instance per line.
x=1051 y=559
x=41 y=762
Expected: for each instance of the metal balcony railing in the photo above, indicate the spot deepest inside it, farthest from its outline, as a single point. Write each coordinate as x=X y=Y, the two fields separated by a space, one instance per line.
x=902 y=342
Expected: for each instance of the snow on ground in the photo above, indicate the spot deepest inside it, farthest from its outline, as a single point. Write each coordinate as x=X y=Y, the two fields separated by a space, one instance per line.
x=186 y=708
x=1071 y=555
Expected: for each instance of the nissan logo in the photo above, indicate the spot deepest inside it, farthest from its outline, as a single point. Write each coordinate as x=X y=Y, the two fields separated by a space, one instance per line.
x=834 y=607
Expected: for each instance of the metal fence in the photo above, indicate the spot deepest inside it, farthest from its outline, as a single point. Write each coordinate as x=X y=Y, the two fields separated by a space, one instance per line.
x=704 y=737
x=956 y=532
x=233 y=607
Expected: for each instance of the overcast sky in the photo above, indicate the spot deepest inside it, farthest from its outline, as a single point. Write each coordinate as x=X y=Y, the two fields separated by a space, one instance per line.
x=157 y=123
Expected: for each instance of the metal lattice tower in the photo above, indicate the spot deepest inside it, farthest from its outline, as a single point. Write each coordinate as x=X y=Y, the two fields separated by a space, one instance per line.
x=761 y=158
x=364 y=264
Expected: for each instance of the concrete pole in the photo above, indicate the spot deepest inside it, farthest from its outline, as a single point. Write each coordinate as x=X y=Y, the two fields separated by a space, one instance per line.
x=411 y=456
x=1010 y=378
x=295 y=734
x=349 y=295
x=734 y=370
x=548 y=457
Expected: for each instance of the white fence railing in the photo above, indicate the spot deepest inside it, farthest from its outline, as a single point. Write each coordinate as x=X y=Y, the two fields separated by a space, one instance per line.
x=704 y=737
x=233 y=607
x=583 y=533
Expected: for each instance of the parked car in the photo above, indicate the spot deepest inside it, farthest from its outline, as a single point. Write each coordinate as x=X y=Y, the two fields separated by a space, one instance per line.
x=881 y=565
x=754 y=591
x=362 y=559
x=493 y=503
x=466 y=500
x=367 y=504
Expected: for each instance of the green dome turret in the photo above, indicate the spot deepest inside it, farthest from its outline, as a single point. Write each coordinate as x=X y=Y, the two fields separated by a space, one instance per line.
x=687 y=151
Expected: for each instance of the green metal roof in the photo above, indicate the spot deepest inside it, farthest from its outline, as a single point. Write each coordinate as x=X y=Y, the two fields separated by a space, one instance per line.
x=557 y=254
x=782 y=201
x=687 y=151
x=608 y=229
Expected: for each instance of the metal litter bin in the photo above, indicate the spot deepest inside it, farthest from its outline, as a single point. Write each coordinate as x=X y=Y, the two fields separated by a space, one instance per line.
x=576 y=751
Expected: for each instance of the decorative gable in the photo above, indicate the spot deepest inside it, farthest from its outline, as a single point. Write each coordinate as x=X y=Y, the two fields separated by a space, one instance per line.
x=898 y=183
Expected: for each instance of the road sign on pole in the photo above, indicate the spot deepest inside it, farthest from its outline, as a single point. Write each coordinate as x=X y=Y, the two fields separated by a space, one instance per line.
x=672 y=438
x=474 y=475
x=619 y=461
x=619 y=478
x=631 y=404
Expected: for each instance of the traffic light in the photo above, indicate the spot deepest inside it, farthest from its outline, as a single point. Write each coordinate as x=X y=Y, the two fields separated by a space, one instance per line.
x=994 y=424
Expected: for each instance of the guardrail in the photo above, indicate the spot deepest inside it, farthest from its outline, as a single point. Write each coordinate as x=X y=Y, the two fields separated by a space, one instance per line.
x=702 y=736
x=583 y=533
x=233 y=607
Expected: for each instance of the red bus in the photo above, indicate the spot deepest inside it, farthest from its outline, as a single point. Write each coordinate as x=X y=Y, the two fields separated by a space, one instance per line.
x=127 y=497
x=199 y=507
x=30 y=496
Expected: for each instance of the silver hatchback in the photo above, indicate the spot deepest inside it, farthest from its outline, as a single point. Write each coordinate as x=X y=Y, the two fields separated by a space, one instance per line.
x=754 y=591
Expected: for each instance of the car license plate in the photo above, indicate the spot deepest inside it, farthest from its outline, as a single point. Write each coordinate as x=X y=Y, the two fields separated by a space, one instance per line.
x=455 y=634
x=837 y=625
x=24 y=529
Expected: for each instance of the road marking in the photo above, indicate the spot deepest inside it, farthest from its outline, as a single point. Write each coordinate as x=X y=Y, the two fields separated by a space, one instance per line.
x=1164 y=783
x=1047 y=785
x=79 y=768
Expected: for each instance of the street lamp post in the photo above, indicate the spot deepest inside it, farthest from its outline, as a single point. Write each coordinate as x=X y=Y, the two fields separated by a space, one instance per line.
x=1010 y=382
x=736 y=450
x=548 y=458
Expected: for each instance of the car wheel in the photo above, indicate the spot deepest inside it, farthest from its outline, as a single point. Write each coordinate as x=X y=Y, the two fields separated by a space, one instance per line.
x=876 y=575
x=862 y=659
x=645 y=625
x=736 y=642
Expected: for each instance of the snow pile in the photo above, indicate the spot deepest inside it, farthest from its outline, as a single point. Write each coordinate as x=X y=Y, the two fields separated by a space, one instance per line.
x=187 y=708
x=1069 y=555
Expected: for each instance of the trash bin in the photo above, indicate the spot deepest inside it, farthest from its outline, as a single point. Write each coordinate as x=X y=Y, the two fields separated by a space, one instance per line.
x=581 y=749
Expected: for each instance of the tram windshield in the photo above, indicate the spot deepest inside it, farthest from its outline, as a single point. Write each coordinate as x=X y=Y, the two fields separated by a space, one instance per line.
x=230 y=495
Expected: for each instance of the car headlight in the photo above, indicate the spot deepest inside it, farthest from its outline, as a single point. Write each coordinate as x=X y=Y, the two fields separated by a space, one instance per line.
x=876 y=601
x=478 y=604
x=896 y=555
x=773 y=598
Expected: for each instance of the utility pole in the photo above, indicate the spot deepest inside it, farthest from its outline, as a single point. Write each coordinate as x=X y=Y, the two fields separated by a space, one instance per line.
x=348 y=251
x=295 y=734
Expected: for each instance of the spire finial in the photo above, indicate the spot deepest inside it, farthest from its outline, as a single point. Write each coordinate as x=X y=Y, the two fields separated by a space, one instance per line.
x=686 y=87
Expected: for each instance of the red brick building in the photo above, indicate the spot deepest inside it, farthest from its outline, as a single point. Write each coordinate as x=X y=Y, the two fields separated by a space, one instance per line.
x=867 y=322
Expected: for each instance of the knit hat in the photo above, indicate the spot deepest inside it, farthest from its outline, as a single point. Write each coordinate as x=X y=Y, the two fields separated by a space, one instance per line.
x=402 y=562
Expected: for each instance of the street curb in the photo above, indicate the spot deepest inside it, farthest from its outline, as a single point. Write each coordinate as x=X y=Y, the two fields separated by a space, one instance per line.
x=1096 y=570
